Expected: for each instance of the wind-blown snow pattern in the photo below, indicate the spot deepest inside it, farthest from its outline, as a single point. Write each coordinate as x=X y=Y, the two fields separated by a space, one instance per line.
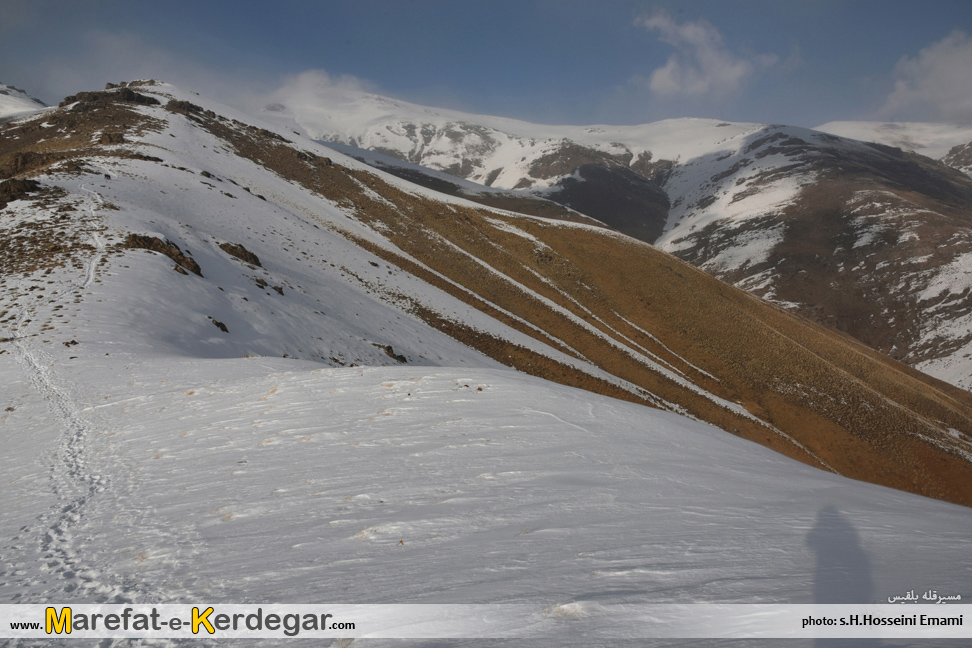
x=260 y=480
x=149 y=456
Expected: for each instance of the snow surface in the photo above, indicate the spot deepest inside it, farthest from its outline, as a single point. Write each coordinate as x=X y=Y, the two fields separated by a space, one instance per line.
x=160 y=460
x=170 y=479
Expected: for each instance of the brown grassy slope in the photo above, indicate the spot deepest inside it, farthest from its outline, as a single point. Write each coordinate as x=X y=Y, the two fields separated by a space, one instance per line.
x=834 y=401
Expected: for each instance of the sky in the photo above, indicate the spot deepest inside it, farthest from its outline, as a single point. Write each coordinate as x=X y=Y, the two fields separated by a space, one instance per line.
x=799 y=62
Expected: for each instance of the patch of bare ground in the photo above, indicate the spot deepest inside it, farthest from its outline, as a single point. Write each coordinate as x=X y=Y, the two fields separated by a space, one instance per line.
x=617 y=196
x=43 y=243
x=65 y=136
x=594 y=296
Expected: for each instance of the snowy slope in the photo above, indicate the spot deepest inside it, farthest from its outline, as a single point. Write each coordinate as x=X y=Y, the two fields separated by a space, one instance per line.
x=15 y=103
x=258 y=480
x=251 y=433
x=318 y=295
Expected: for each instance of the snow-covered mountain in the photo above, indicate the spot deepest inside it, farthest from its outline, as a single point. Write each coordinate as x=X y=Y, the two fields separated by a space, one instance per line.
x=949 y=143
x=246 y=367
x=15 y=103
x=797 y=216
x=928 y=139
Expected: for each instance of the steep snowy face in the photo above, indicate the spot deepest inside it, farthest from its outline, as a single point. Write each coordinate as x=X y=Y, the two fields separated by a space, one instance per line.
x=216 y=237
x=15 y=103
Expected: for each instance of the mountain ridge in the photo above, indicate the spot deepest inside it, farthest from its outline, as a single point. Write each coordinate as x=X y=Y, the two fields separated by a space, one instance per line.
x=392 y=271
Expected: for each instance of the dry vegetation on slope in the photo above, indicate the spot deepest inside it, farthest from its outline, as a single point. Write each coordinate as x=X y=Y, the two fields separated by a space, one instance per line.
x=673 y=335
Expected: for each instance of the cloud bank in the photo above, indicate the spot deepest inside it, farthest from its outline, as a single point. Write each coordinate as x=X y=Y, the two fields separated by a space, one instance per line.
x=936 y=85
x=702 y=65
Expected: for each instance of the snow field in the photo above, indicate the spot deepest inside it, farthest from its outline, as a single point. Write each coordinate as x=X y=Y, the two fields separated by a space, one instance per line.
x=153 y=462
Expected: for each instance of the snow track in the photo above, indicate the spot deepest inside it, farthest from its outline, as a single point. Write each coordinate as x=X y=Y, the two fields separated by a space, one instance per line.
x=73 y=480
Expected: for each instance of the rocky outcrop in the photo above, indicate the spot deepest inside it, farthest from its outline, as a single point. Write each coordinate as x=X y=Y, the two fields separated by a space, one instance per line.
x=169 y=249
x=11 y=190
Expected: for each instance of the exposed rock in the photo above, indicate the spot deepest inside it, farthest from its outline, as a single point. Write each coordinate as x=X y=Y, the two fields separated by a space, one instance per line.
x=390 y=352
x=237 y=250
x=27 y=161
x=960 y=157
x=87 y=100
x=657 y=171
x=189 y=109
x=147 y=158
x=11 y=190
x=570 y=157
x=169 y=249
x=183 y=107
x=112 y=138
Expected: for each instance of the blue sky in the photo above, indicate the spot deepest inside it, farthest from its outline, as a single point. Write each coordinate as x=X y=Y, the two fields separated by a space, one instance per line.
x=553 y=61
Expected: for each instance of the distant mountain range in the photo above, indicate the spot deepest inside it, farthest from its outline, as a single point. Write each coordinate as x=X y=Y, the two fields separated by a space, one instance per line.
x=863 y=236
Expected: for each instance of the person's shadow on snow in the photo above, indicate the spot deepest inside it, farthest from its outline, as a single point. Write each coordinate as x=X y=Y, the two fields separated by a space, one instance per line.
x=843 y=571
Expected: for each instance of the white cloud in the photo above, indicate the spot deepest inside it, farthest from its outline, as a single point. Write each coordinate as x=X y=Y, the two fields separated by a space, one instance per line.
x=113 y=57
x=317 y=86
x=124 y=56
x=702 y=65
x=314 y=97
x=936 y=85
